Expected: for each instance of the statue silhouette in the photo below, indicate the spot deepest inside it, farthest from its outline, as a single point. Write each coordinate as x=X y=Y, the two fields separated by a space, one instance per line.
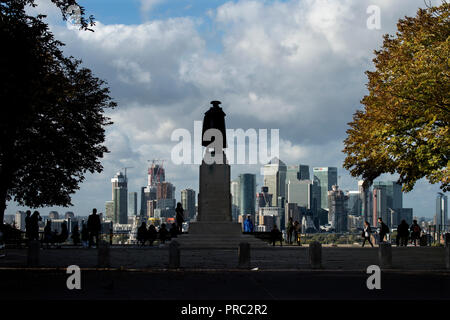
x=214 y=119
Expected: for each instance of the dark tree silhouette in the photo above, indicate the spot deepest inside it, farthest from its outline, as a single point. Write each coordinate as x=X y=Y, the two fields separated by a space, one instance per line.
x=52 y=112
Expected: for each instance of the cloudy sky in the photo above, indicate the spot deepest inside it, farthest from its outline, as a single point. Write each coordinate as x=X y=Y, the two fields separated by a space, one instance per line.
x=297 y=66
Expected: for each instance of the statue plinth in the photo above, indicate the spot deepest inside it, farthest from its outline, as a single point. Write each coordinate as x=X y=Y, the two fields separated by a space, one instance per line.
x=214 y=201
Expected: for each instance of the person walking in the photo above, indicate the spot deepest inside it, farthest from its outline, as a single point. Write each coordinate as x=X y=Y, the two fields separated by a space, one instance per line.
x=290 y=230
x=367 y=234
x=415 y=232
x=94 y=227
x=384 y=230
x=179 y=217
x=402 y=234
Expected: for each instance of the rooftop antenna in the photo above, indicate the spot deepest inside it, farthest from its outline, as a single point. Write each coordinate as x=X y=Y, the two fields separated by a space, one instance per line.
x=125 y=170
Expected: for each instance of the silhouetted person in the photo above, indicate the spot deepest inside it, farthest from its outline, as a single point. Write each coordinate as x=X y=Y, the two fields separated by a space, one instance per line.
x=297 y=232
x=367 y=233
x=28 y=228
x=34 y=225
x=84 y=235
x=402 y=234
x=163 y=233
x=290 y=230
x=62 y=237
x=276 y=235
x=415 y=232
x=142 y=234
x=94 y=227
x=179 y=217
x=76 y=235
x=248 y=224
x=48 y=235
x=152 y=234
x=384 y=230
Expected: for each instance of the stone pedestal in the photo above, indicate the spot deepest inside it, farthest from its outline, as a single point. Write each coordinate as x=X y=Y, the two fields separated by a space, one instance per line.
x=214 y=227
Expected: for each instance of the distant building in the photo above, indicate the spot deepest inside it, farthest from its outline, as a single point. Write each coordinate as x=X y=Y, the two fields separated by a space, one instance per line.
x=308 y=225
x=69 y=215
x=53 y=215
x=354 y=204
x=267 y=217
x=120 y=198
x=391 y=199
x=398 y=215
x=247 y=194
x=263 y=198
x=441 y=212
x=275 y=179
x=188 y=203
x=326 y=177
x=235 y=199
x=132 y=204
x=109 y=210
x=380 y=209
x=20 y=220
x=355 y=222
x=337 y=213
x=297 y=172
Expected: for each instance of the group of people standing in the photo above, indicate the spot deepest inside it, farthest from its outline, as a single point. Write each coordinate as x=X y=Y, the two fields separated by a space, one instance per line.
x=404 y=232
x=151 y=234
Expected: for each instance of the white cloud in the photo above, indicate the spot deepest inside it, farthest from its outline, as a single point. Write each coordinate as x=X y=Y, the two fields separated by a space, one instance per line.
x=297 y=66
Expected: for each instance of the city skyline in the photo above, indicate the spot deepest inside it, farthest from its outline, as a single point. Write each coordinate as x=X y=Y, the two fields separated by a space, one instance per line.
x=201 y=65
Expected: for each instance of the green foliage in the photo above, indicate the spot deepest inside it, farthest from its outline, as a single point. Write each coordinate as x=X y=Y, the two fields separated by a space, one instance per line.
x=404 y=127
x=52 y=117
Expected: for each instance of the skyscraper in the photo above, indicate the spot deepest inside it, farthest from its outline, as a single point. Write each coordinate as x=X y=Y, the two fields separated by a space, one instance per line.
x=441 y=212
x=297 y=172
x=338 y=209
x=247 y=194
x=132 y=204
x=392 y=192
x=275 y=179
x=380 y=209
x=119 y=197
x=326 y=177
x=109 y=210
x=235 y=199
x=188 y=203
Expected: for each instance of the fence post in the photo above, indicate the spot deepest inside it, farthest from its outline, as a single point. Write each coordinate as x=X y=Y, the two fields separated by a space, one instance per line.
x=385 y=255
x=315 y=255
x=174 y=255
x=33 y=251
x=104 y=260
x=244 y=255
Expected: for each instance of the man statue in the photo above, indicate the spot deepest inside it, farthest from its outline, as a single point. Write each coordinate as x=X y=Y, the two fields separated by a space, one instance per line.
x=214 y=119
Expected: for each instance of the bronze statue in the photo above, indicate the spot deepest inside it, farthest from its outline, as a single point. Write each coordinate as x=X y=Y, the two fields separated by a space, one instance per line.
x=214 y=119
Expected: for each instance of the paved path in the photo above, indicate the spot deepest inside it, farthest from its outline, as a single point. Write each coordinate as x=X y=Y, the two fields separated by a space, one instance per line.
x=353 y=258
